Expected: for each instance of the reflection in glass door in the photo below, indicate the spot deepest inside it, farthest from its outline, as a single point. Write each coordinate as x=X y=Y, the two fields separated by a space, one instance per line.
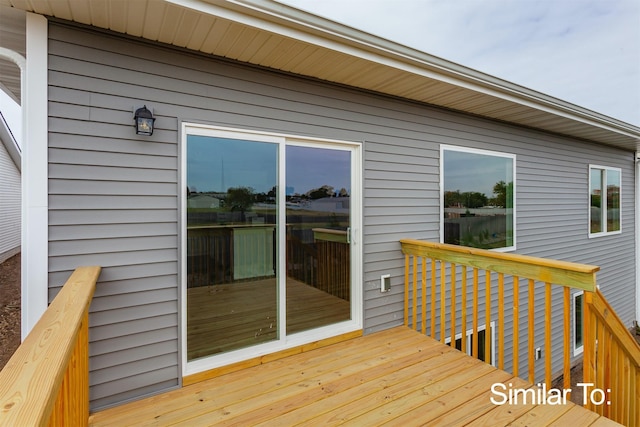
x=231 y=280
x=318 y=259
x=250 y=281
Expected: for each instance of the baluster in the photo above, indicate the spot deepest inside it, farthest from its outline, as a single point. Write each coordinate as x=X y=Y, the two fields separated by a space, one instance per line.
x=453 y=305
x=516 y=332
x=414 y=306
x=501 y=321
x=433 y=299
x=532 y=331
x=487 y=328
x=474 y=333
x=600 y=361
x=607 y=367
x=547 y=334
x=463 y=319
x=443 y=300
x=424 y=296
x=567 y=340
x=615 y=379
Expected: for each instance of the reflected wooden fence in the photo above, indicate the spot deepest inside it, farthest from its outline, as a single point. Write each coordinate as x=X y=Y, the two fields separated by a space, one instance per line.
x=46 y=381
x=225 y=254
x=209 y=256
x=302 y=258
x=334 y=260
x=450 y=289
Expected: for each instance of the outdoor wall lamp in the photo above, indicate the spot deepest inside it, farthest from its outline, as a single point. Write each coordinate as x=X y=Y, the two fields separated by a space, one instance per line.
x=144 y=121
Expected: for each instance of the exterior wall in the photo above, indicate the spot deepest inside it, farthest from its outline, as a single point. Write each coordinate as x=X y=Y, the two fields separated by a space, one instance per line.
x=10 y=207
x=113 y=196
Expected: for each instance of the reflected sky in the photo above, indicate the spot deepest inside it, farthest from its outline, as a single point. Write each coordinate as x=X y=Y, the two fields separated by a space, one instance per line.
x=216 y=164
x=475 y=172
x=310 y=168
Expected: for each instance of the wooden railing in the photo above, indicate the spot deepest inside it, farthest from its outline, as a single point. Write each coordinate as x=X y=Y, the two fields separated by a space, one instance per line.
x=441 y=276
x=46 y=381
x=611 y=362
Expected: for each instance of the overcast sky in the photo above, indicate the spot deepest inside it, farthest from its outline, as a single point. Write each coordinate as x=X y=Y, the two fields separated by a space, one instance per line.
x=586 y=52
x=12 y=114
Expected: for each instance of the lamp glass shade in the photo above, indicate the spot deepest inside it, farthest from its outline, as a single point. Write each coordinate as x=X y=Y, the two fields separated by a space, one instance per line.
x=144 y=121
x=144 y=126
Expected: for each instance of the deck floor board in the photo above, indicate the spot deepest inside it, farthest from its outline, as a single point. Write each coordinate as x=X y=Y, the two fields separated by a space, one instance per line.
x=395 y=377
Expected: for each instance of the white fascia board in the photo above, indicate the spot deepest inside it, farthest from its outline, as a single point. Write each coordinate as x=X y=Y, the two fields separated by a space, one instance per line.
x=324 y=33
x=34 y=175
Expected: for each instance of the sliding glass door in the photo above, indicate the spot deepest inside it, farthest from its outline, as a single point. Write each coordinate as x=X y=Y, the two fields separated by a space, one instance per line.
x=318 y=237
x=232 y=277
x=268 y=245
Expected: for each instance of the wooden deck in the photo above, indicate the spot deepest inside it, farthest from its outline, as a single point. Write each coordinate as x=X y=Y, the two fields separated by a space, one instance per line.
x=394 y=377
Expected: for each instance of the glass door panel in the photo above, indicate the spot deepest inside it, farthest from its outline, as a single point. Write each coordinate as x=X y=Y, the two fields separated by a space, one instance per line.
x=318 y=255
x=232 y=207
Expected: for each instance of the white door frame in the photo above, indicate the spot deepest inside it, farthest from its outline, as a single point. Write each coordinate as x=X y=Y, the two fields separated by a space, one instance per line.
x=294 y=340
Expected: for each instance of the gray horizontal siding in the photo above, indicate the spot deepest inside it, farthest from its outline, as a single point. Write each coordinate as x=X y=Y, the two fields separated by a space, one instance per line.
x=10 y=206
x=113 y=197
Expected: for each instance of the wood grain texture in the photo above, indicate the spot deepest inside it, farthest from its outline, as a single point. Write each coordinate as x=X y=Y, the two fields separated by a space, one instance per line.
x=394 y=377
x=580 y=276
x=49 y=371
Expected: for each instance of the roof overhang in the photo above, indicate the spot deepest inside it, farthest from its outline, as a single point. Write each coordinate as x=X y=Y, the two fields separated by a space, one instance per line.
x=12 y=50
x=280 y=37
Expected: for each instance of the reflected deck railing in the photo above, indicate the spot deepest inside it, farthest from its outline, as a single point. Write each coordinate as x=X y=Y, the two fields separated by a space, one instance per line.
x=46 y=381
x=437 y=274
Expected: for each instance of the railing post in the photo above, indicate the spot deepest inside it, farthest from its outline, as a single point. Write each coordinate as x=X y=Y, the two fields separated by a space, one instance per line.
x=406 y=290
x=46 y=380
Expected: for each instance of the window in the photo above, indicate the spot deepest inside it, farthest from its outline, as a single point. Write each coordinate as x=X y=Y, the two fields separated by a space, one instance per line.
x=578 y=323
x=482 y=334
x=604 y=200
x=477 y=198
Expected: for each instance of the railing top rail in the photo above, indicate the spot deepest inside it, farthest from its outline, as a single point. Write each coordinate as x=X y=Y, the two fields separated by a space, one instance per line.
x=30 y=380
x=562 y=273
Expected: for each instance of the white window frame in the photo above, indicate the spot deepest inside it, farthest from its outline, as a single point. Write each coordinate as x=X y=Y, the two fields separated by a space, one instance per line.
x=577 y=350
x=511 y=156
x=469 y=333
x=285 y=341
x=603 y=202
